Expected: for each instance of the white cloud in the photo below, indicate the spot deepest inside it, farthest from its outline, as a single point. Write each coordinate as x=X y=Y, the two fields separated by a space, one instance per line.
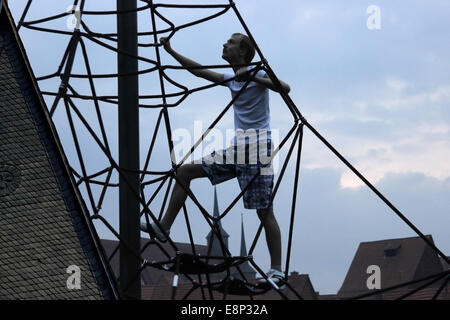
x=434 y=128
x=397 y=84
x=411 y=101
x=387 y=139
x=404 y=156
x=422 y=148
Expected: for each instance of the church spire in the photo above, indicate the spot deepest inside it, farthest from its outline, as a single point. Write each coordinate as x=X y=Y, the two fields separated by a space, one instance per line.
x=216 y=205
x=212 y=240
x=243 y=245
x=245 y=268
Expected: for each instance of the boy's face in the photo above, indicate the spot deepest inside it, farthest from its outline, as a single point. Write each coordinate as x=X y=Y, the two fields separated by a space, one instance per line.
x=232 y=51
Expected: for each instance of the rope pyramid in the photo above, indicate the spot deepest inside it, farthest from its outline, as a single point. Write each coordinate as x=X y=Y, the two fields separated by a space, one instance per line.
x=195 y=267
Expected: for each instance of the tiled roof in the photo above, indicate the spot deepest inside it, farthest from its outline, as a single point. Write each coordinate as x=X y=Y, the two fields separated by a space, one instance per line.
x=302 y=285
x=157 y=284
x=149 y=275
x=163 y=291
x=445 y=265
x=423 y=294
x=400 y=261
x=44 y=228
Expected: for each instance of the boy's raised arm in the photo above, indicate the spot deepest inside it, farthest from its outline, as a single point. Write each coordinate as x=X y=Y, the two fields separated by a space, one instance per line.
x=244 y=74
x=207 y=74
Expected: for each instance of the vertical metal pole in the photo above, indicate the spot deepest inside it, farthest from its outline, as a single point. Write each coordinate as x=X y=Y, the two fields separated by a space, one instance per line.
x=128 y=149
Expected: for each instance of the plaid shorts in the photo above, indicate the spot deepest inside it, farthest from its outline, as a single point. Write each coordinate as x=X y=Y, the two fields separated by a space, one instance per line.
x=219 y=168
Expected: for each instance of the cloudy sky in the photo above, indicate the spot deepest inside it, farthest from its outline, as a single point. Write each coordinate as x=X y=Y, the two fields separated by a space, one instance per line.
x=379 y=95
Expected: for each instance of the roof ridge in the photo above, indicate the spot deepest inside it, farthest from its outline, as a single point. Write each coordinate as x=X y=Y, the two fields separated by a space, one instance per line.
x=397 y=239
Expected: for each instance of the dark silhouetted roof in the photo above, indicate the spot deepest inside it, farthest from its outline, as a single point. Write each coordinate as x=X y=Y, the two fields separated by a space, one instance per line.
x=150 y=275
x=445 y=265
x=44 y=227
x=302 y=285
x=163 y=290
x=157 y=284
x=400 y=261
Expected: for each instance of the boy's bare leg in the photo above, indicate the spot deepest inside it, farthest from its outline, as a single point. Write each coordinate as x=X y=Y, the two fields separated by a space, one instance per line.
x=273 y=236
x=185 y=174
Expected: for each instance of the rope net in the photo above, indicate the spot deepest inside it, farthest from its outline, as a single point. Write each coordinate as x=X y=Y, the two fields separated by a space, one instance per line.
x=97 y=183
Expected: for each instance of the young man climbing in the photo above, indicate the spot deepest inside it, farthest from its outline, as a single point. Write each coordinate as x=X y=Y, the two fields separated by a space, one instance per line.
x=252 y=123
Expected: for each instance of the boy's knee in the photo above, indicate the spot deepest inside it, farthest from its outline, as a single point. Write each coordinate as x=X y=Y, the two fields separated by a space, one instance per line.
x=187 y=172
x=183 y=173
x=264 y=214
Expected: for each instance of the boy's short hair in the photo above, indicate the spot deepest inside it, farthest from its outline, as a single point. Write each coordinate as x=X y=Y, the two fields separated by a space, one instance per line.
x=247 y=44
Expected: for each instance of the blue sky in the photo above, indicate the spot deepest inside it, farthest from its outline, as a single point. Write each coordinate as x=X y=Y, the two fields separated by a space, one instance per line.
x=381 y=97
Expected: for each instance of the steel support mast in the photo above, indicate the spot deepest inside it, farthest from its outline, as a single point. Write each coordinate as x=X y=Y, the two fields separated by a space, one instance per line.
x=128 y=91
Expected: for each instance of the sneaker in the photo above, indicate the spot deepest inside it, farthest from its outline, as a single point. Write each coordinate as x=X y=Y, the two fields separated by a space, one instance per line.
x=274 y=276
x=154 y=231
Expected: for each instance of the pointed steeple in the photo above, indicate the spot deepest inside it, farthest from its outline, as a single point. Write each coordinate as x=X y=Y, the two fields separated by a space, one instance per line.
x=216 y=249
x=246 y=268
x=243 y=245
x=216 y=204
